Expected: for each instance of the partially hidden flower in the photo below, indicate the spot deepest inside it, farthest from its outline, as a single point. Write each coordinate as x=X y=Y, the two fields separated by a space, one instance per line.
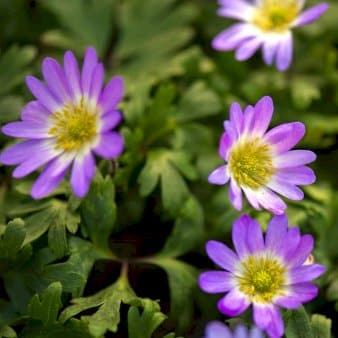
x=72 y=119
x=267 y=272
x=217 y=329
x=266 y=24
x=261 y=163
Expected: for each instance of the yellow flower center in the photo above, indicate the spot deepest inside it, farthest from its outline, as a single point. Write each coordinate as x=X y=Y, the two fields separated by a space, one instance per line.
x=276 y=15
x=73 y=127
x=250 y=163
x=262 y=278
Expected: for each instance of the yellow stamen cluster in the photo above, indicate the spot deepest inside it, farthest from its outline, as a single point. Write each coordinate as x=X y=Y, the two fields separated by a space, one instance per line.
x=250 y=163
x=276 y=15
x=262 y=278
x=73 y=127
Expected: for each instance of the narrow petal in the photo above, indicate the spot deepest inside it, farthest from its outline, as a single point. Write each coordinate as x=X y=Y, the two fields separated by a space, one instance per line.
x=303 y=250
x=230 y=130
x=294 y=158
x=110 y=120
x=263 y=114
x=236 y=117
x=276 y=327
x=304 y=292
x=51 y=176
x=89 y=64
x=305 y=273
x=233 y=36
x=27 y=129
x=221 y=255
x=288 y=302
x=233 y=304
x=219 y=176
x=285 y=136
x=42 y=93
x=251 y=197
x=262 y=315
x=225 y=144
x=240 y=331
x=235 y=195
x=56 y=79
x=255 y=332
x=112 y=94
x=72 y=74
x=270 y=201
x=217 y=329
x=46 y=153
x=290 y=243
x=97 y=83
x=311 y=14
x=276 y=232
x=110 y=146
x=216 y=281
x=21 y=152
x=247 y=48
x=35 y=111
x=236 y=9
x=270 y=47
x=284 y=52
x=82 y=174
x=249 y=115
x=255 y=237
x=299 y=175
x=240 y=230
x=286 y=189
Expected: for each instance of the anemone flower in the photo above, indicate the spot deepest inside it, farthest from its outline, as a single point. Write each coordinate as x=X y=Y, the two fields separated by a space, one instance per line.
x=71 y=120
x=261 y=163
x=266 y=24
x=267 y=273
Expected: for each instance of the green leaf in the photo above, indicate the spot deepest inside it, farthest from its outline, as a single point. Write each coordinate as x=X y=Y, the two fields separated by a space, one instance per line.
x=298 y=324
x=304 y=90
x=171 y=335
x=13 y=66
x=73 y=274
x=161 y=166
x=108 y=301
x=13 y=238
x=84 y=22
x=182 y=283
x=98 y=211
x=47 y=307
x=198 y=102
x=164 y=28
x=7 y=332
x=321 y=326
x=72 y=329
x=188 y=230
x=142 y=325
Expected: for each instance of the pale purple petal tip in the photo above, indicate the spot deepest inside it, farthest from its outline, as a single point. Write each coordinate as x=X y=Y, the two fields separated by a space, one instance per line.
x=217 y=330
x=219 y=176
x=215 y=281
x=221 y=255
x=112 y=94
x=284 y=53
x=311 y=14
x=110 y=146
x=233 y=304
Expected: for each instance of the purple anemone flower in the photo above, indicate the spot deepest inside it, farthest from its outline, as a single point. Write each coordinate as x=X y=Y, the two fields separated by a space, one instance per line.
x=266 y=24
x=70 y=121
x=219 y=330
x=260 y=162
x=268 y=272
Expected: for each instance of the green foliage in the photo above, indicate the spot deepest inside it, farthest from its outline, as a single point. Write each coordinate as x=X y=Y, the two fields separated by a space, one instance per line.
x=142 y=325
x=98 y=211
